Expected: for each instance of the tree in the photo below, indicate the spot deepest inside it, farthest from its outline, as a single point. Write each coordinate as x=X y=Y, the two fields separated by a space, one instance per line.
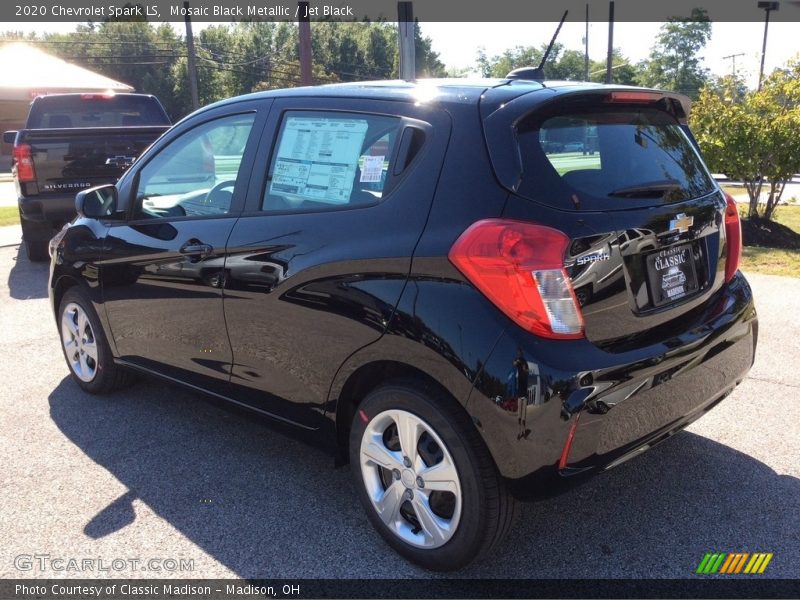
x=674 y=62
x=562 y=64
x=753 y=139
x=426 y=61
x=132 y=52
x=236 y=58
x=623 y=72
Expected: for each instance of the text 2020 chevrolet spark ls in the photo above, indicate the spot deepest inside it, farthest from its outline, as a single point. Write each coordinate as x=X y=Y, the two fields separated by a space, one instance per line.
x=471 y=291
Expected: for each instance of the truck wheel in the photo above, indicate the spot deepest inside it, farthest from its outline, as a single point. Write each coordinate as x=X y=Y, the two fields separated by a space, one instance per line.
x=37 y=238
x=425 y=478
x=85 y=346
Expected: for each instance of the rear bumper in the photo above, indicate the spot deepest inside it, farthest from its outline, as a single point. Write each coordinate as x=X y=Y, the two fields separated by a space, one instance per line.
x=554 y=412
x=52 y=209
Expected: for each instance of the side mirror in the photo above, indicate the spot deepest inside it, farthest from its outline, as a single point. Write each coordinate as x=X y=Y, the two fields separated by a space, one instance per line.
x=97 y=202
x=9 y=137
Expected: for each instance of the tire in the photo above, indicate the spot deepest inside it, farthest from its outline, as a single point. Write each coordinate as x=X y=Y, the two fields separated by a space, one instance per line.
x=37 y=239
x=85 y=346
x=467 y=514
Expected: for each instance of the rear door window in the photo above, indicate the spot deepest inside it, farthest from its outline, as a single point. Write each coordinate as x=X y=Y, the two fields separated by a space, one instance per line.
x=330 y=160
x=610 y=158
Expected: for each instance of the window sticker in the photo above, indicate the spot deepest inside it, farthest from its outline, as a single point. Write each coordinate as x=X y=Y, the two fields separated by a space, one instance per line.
x=317 y=158
x=372 y=169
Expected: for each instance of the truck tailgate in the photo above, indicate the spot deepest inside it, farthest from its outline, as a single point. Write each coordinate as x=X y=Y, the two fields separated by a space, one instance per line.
x=69 y=160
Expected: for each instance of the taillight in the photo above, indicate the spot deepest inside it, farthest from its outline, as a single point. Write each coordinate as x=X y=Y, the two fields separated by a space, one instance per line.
x=634 y=97
x=520 y=268
x=733 y=237
x=24 y=162
x=107 y=95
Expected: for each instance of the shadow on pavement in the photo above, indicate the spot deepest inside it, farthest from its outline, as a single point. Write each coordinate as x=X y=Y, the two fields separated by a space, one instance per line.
x=264 y=504
x=27 y=280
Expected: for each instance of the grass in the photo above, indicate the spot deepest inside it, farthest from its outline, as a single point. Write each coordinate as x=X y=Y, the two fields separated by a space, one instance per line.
x=774 y=261
x=733 y=190
x=770 y=261
x=789 y=216
x=9 y=215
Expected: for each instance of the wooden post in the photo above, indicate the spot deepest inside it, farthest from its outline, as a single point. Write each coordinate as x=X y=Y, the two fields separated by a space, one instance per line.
x=304 y=33
x=405 y=26
x=610 y=57
x=191 y=60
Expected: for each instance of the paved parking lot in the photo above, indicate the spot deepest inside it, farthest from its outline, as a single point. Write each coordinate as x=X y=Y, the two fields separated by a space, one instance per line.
x=156 y=472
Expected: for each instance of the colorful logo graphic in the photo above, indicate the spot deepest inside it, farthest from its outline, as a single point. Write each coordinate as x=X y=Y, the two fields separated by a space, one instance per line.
x=734 y=563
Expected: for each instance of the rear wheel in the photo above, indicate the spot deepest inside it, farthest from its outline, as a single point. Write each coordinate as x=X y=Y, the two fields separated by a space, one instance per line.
x=425 y=478
x=37 y=238
x=85 y=346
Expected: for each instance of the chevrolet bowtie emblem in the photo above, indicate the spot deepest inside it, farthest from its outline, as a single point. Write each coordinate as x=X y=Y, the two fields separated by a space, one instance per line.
x=681 y=222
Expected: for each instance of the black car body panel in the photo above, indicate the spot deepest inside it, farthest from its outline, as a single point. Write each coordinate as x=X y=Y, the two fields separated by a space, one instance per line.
x=294 y=313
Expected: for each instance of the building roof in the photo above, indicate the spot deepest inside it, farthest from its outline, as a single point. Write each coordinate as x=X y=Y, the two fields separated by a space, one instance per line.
x=28 y=68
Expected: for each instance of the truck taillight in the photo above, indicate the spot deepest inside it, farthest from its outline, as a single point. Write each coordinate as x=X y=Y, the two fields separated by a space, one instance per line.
x=733 y=238
x=107 y=95
x=24 y=163
x=519 y=267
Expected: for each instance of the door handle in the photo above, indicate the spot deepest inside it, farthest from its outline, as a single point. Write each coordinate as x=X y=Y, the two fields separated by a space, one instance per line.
x=193 y=247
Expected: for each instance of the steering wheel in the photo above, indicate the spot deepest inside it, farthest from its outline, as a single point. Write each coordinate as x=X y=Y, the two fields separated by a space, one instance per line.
x=218 y=196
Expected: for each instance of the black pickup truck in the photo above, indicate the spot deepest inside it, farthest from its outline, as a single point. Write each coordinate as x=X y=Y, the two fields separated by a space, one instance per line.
x=72 y=142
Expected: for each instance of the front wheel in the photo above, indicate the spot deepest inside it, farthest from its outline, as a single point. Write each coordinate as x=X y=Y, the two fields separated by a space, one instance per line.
x=85 y=346
x=425 y=478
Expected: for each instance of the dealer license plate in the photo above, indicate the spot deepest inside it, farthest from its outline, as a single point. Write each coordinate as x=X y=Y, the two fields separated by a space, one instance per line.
x=671 y=273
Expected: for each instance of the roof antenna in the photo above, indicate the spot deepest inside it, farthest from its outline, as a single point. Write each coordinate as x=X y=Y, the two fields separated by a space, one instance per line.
x=537 y=73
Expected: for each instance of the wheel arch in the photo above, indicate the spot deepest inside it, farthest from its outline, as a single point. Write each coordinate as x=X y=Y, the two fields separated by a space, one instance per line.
x=68 y=281
x=368 y=376
x=60 y=288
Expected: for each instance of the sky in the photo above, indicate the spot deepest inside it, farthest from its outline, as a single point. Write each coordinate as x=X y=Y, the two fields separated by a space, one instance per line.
x=458 y=43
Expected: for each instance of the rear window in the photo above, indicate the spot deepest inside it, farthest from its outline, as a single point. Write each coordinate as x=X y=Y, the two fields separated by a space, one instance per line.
x=95 y=110
x=609 y=158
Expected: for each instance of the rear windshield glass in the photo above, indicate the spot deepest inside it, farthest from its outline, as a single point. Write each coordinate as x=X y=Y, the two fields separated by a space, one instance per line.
x=610 y=158
x=90 y=110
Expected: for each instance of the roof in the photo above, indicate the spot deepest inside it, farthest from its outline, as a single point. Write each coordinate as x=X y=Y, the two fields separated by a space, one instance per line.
x=490 y=94
x=26 y=67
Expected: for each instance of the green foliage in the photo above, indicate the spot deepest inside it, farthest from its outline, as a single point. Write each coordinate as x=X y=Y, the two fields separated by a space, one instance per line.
x=135 y=53
x=622 y=71
x=232 y=59
x=562 y=64
x=674 y=62
x=753 y=137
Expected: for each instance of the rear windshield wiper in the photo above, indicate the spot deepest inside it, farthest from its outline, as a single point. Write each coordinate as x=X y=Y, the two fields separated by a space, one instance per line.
x=656 y=189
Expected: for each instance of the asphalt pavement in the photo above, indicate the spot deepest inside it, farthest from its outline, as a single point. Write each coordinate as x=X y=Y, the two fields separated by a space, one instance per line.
x=155 y=472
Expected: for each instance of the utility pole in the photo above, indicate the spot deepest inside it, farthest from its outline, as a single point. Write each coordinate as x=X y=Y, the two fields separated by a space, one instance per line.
x=304 y=33
x=610 y=57
x=405 y=28
x=733 y=60
x=191 y=60
x=586 y=47
x=768 y=7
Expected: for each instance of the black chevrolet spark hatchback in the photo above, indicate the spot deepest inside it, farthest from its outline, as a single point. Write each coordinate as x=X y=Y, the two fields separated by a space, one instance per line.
x=473 y=291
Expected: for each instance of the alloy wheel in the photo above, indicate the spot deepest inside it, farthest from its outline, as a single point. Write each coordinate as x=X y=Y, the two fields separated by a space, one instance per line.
x=78 y=340
x=411 y=479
